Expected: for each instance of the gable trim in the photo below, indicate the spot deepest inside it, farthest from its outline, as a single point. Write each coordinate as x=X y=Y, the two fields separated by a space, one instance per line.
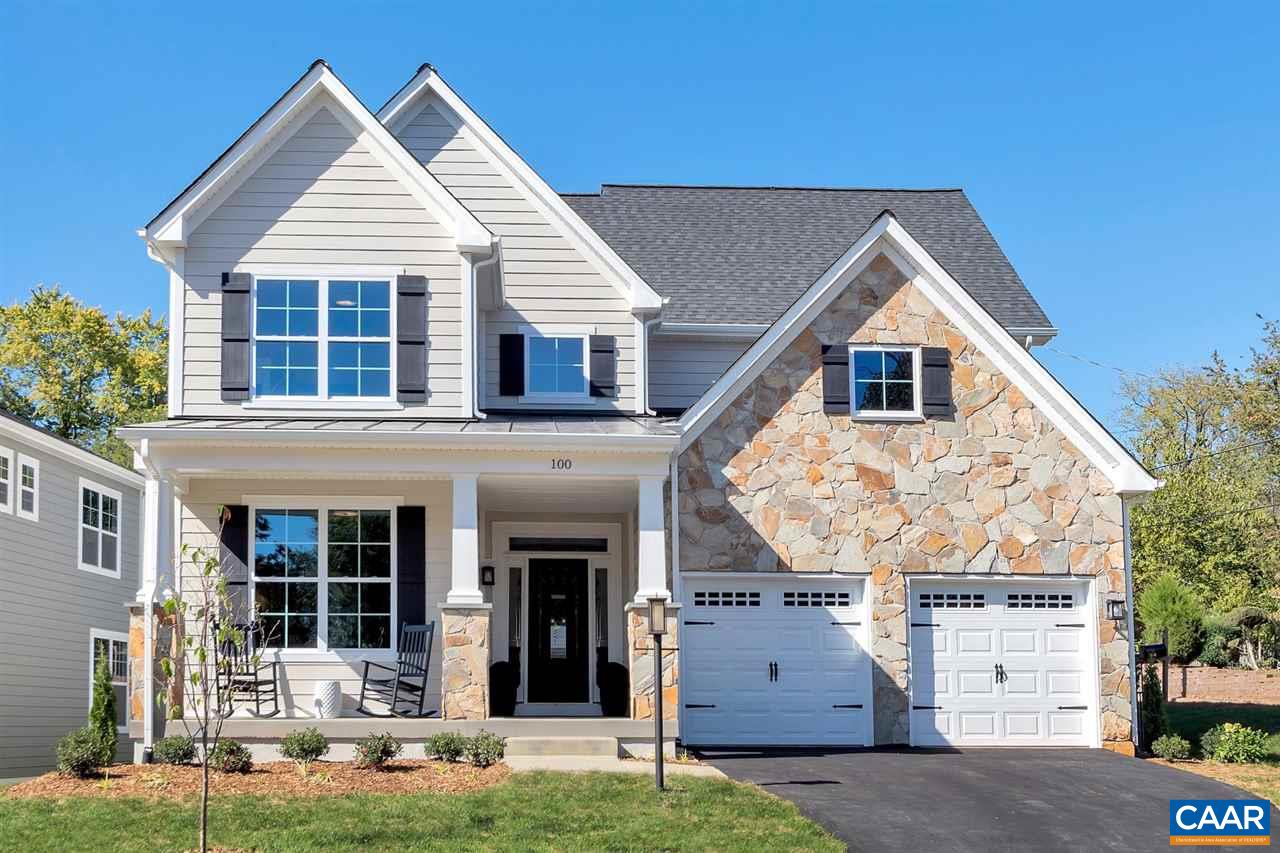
x=398 y=111
x=887 y=235
x=173 y=225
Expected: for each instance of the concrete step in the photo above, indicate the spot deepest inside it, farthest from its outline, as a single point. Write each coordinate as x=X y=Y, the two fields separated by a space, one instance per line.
x=598 y=747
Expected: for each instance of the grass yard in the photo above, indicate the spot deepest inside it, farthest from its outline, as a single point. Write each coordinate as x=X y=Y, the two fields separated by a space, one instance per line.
x=1192 y=719
x=532 y=811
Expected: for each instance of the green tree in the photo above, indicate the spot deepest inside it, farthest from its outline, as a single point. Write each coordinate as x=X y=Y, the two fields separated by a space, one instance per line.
x=1168 y=605
x=71 y=369
x=102 y=714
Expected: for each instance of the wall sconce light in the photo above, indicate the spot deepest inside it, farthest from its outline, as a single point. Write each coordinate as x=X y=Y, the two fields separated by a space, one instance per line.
x=486 y=576
x=1115 y=609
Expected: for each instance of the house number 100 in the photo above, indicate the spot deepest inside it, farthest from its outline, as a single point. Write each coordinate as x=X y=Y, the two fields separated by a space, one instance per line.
x=561 y=464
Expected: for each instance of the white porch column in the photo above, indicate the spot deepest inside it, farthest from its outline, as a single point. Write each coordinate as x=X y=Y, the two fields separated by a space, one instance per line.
x=157 y=536
x=652 y=541
x=144 y=614
x=464 y=587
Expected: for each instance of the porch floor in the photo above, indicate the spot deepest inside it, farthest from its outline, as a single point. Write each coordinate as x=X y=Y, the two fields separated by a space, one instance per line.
x=417 y=728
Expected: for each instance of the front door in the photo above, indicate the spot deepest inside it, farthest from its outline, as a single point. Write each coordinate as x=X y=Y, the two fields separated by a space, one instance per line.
x=558 y=664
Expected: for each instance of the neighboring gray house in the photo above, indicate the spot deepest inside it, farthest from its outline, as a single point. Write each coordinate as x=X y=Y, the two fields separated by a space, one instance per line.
x=69 y=532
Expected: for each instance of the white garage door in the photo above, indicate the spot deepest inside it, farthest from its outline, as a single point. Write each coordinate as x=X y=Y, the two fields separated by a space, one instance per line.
x=775 y=662
x=1001 y=664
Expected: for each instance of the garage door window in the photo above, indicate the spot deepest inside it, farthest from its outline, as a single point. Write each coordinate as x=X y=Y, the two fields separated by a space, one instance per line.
x=726 y=598
x=953 y=601
x=1040 y=601
x=817 y=598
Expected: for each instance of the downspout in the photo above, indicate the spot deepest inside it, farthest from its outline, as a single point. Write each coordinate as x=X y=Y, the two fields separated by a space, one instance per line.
x=1129 y=608
x=643 y=387
x=476 y=344
x=677 y=582
x=147 y=596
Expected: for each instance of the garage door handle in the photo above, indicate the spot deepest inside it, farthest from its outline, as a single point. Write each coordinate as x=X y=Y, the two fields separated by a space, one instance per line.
x=689 y=705
x=846 y=706
x=924 y=624
x=1069 y=625
x=846 y=623
x=926 y=707
x=1073 y=707
x=691 y=622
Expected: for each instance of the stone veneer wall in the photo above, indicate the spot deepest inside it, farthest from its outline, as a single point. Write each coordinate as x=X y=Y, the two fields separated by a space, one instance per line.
x=775 y=484
x=465 y=662
x=640 y=652
x=166 y=645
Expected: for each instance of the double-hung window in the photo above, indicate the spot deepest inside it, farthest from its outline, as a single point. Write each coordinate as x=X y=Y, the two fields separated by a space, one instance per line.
x=6 y=480
x=885 y=381
x=28 y=487
x=323 y=574
x=99 y=529
x=557 y=366
x=322 y=339
x=114 y=647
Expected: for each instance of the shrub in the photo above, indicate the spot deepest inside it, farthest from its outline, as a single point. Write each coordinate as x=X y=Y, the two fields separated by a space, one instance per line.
x=1172 y=747
x=102 y=713
x=446 y=746
x=81 y=753
x=374 y=751
x=484 y=749
x=178 y=749
x=1169 y=605
x=1152 y=715
x=1209 y=740
x=1253 y=624
x=304 y=746
x=231 y=756
x=1239 y=744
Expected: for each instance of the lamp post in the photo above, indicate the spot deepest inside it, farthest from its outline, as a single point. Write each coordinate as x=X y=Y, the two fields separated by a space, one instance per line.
x=657 y=627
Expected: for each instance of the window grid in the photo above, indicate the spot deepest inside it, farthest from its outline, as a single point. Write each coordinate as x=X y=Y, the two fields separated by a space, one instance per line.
x=557 y=365
x=816 y=598
x=99 y=528
x=1040 y=601
x=726 y=598
x=359 y=327
x=359 y=579
x=28 y=487
x=285 y=573
x=883 y=381
x=6 y=480
x=952 y=601
x=117 y=654
x=287 y=337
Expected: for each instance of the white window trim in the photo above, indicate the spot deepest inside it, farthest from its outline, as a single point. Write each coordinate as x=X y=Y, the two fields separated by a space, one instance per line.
x=322 y=504
x=582 y=333
x=80 y=527
x=7 y=453
x=917 y=410
x=34 y=515
x=96 y=634
x=321 y=399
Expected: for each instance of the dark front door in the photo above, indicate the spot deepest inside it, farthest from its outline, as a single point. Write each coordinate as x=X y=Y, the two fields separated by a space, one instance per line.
x=558 y=631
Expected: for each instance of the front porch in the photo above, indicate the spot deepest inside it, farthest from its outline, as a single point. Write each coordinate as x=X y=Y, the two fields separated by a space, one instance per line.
x=530 y=563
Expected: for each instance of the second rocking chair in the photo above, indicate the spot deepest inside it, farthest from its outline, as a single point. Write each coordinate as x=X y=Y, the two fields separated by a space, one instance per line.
x=403 y=687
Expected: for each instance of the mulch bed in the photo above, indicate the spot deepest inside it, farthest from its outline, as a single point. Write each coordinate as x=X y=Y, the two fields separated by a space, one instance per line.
x=276 y=779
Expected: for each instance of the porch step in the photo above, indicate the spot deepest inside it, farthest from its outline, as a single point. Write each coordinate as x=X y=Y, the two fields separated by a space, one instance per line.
x=600 y=747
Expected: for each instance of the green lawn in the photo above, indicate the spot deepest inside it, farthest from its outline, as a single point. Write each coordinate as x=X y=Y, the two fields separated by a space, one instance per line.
x=1192 y=719
x=533 y=811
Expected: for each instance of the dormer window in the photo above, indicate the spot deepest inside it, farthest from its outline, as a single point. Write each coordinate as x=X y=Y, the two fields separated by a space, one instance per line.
x=322 y=339
x=885 y=382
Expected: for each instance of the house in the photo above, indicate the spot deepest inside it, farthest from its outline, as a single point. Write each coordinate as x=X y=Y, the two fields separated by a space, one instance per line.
x=70 y=527
x=435 y=390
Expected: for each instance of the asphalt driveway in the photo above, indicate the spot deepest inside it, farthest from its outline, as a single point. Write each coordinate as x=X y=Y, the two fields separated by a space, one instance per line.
x=978 y=799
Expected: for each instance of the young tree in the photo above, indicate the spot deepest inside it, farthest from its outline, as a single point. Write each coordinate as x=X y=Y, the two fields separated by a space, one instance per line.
x=102 y=714
x=205 y=615
x=78 y=373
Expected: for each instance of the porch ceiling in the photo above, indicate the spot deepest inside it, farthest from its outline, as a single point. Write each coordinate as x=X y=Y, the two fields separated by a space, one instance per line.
x=552 y=494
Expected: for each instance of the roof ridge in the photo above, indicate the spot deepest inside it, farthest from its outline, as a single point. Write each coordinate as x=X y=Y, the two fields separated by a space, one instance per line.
x=776 y=187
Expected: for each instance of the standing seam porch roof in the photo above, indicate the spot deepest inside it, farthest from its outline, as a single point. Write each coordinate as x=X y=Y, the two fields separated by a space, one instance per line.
x=744 y=254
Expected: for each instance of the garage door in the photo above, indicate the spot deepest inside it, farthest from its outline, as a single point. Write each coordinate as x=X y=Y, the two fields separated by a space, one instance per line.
x=1001 y=664
x=775 y=662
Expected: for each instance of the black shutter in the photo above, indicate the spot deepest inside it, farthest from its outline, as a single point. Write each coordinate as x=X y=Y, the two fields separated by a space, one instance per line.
x=935 y=383
x=235 y=335
x=835 y=379
x=511 y=365
x=604 y=366
x=411 y=338
x=233 y=548
x=411 y=565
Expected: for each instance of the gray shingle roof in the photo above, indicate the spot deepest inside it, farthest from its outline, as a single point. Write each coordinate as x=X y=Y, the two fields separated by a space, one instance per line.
x=744 y=254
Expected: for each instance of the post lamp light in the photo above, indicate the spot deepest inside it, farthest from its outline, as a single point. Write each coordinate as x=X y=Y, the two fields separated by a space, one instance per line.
x=657 y=627
x=1115 y=609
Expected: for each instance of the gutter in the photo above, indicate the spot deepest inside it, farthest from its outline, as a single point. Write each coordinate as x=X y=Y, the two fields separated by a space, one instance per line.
x=736 y=331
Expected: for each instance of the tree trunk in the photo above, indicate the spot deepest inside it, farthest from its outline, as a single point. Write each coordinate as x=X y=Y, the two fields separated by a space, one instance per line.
x=204 y=796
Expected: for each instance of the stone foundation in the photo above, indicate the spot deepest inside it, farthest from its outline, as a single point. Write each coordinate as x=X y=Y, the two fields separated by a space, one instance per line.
x=464 y=655
x=640 y=651
x=167 y=644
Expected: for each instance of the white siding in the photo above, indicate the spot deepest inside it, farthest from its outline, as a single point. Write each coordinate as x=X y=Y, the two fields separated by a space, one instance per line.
x=682 y=369
x=321 y=201
x=547 y=280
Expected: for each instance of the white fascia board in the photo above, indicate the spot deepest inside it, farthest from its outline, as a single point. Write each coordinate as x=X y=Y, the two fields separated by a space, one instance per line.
x=399 y=109
x=80 y=457
x=183 y=216
x=886 y=234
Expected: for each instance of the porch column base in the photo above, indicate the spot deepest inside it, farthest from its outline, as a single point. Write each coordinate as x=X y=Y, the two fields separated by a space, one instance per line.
x=464 y=656
x=165 y=640
x=640 y=650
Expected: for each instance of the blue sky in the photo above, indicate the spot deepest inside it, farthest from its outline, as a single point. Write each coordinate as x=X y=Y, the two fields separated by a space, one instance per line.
x=1126 y=157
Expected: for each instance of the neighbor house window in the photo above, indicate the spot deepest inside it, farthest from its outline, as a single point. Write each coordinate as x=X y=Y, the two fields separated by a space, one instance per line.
x=6 y=480
x=28 y=487
x=885 y=381
x=322 y=339
x=323 y=576
x=557 y=366
x=99 y=529
x=114 y=648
